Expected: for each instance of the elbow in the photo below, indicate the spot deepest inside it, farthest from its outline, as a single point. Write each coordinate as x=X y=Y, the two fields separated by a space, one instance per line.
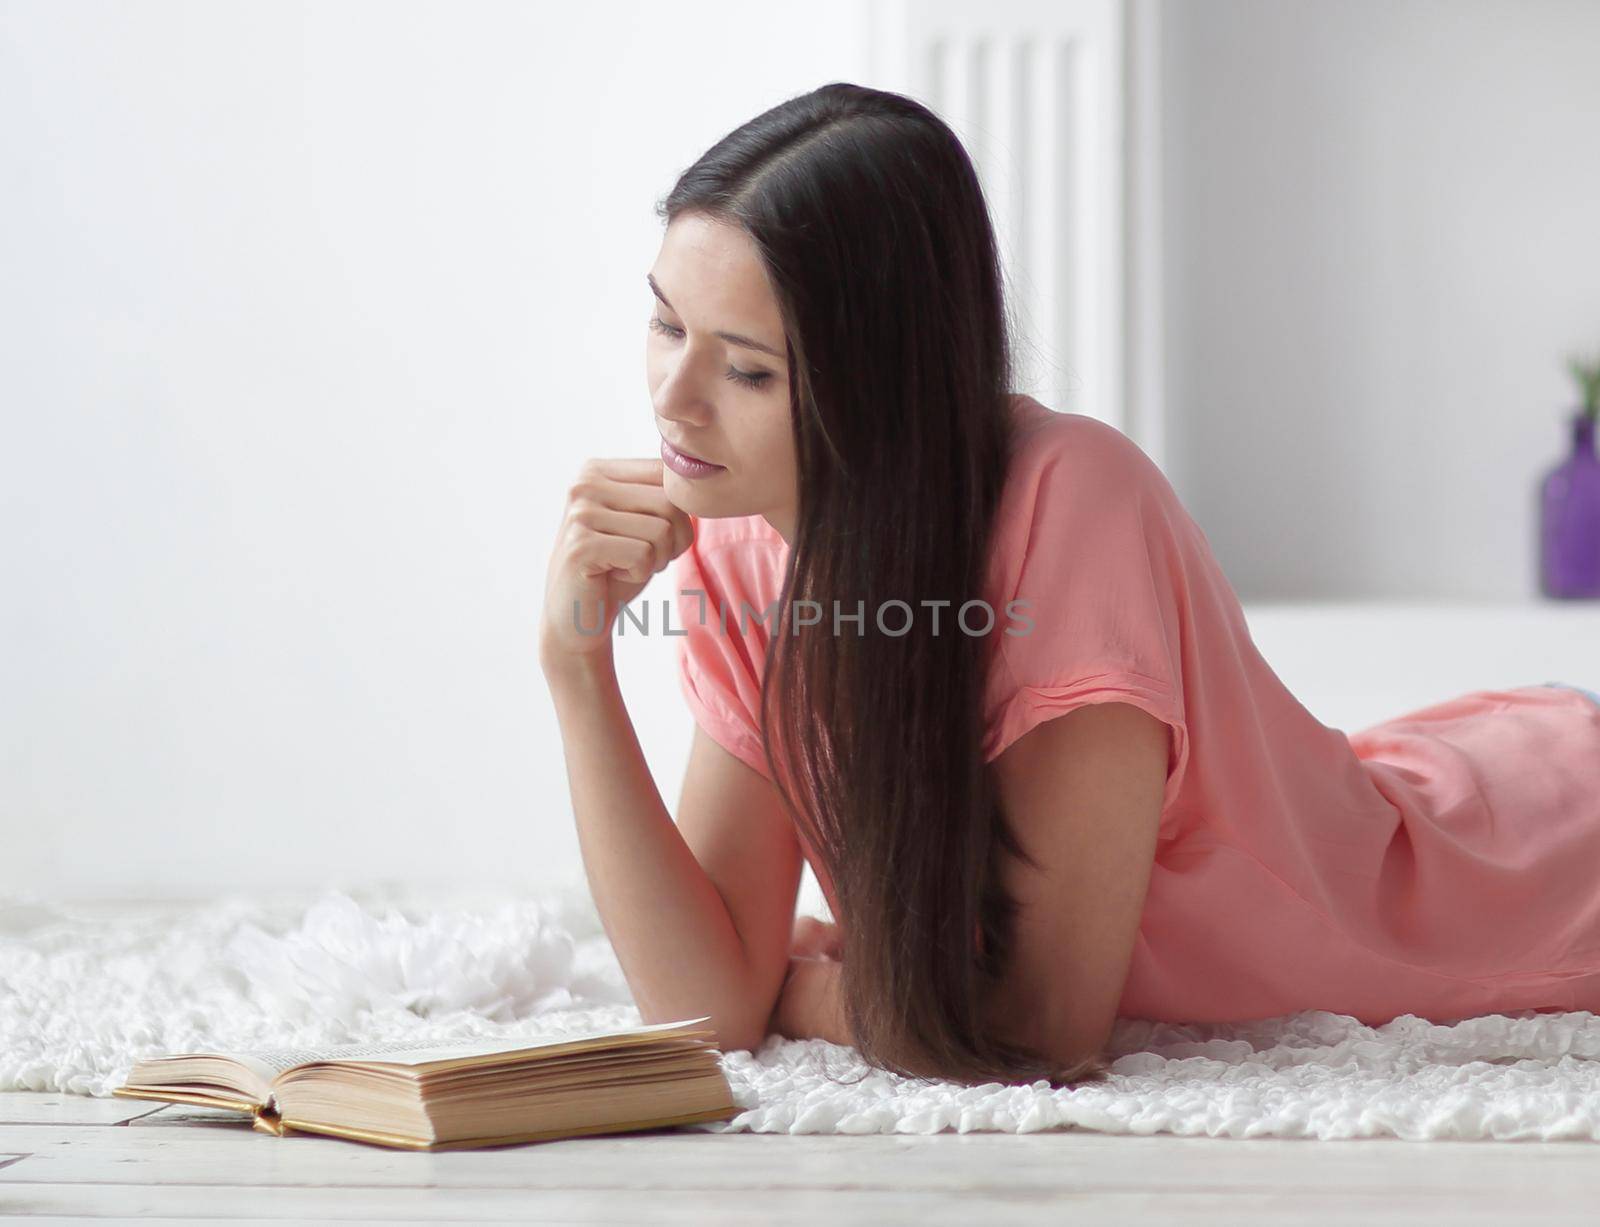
x=746 y=1029
x=731 y=1031
x=1077 y=1046
x=1083 y=1053
x=735 y=1037
x=746 y=1043
x=1067 y=1042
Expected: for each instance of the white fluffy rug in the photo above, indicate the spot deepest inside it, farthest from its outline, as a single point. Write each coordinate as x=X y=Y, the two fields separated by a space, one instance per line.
x=85 y=992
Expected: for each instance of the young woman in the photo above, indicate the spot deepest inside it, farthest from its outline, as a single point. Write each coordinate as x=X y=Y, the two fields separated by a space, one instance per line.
x=972 y=660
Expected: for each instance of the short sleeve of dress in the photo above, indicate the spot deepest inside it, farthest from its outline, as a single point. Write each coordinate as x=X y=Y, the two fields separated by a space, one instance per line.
x=1091 y=538
x=719 y=668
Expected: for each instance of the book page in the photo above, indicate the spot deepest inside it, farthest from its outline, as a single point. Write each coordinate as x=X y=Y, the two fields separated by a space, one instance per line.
x=271 y=1062
x=509 y=1044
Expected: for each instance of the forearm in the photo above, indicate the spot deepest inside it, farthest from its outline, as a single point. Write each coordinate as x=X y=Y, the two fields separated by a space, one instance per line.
x=672 y=932
x=810 y=1005
x=1017 y=1012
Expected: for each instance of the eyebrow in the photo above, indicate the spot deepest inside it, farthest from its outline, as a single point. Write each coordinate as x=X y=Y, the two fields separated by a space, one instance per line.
x=733 y=338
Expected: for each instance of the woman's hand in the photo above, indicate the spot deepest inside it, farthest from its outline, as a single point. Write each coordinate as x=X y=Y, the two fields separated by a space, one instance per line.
x=617 y=531
x=809 y=1006
x=814 y=939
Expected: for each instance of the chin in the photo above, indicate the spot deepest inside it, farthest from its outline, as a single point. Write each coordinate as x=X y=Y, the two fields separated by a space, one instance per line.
x=691 y=494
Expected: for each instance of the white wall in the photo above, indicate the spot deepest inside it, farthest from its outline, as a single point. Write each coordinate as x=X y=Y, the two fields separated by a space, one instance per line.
x=1381 y=241
x=308 y=314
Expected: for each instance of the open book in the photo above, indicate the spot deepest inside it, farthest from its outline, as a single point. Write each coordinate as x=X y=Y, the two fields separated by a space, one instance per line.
x=454 y=1094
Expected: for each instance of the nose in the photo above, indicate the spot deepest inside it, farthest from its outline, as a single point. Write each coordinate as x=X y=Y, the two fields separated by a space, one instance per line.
x=678 y=397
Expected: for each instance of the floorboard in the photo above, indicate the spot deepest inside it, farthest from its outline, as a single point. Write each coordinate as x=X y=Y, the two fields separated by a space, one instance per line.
x=70 y=1158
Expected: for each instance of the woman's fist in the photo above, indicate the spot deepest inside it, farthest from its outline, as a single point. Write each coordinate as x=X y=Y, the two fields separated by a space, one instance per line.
x=618 y=529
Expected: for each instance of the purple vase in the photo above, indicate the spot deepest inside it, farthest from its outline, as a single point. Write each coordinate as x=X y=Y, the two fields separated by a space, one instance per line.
x=1569 y=519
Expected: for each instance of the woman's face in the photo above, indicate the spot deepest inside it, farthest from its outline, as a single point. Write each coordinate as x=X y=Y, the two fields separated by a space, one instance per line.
x=718 y=398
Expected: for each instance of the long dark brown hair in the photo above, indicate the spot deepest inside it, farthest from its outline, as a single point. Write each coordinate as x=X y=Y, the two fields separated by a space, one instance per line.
x=878 y=244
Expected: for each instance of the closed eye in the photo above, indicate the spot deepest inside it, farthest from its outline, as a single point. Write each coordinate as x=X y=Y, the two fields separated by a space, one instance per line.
x=750 y=379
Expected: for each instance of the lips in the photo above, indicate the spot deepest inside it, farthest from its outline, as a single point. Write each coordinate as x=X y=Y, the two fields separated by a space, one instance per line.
x=689 y=455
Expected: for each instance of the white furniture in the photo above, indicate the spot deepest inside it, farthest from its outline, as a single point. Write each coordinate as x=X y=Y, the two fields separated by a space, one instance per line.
x=1357 y=663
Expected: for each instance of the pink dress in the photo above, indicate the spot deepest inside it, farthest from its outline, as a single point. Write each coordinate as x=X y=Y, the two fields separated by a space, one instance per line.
x=1444 y=863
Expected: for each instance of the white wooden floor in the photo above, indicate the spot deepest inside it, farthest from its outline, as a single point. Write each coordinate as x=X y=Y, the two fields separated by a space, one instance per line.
x=65 y=1157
